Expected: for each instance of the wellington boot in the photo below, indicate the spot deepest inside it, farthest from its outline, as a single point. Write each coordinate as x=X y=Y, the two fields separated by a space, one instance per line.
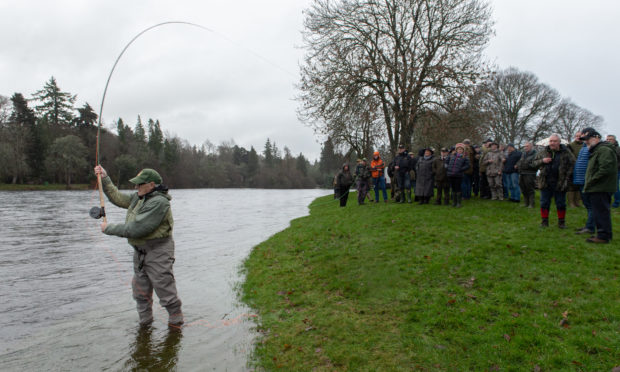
x=544 y=222
x=562 y=223
x=446 y=200
x=438 y=200
x=409 y=196
x=459 y=198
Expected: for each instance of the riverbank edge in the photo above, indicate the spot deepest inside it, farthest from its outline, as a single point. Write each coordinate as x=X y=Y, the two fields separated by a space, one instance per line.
x=48 y=187
x=332 y=294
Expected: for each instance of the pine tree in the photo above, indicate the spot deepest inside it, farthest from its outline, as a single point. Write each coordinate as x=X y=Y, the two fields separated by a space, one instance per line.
x=86 y=116
x=55 y=105
x=268 y=154
x=156 y=138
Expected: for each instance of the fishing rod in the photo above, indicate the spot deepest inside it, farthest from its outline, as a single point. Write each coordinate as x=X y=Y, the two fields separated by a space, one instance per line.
x=99 y=212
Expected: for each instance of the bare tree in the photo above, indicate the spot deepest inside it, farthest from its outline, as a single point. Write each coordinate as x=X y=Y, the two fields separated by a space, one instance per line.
x=569 y=118
x=519 y=107
x=407 y=55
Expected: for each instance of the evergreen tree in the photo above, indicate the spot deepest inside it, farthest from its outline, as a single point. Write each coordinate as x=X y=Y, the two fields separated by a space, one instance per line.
x=139 y=132
x=16 y=139
x=156 y=138
x=253 y=165
x=302 y=164
x=268 y=154
x=86 y=116
x=329 y=162
x=55 y=105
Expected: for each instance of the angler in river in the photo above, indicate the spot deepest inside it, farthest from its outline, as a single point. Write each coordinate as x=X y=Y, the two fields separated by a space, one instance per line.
x=148 y=228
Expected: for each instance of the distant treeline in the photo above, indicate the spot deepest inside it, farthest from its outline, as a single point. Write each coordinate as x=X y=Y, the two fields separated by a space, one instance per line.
x=56 y=143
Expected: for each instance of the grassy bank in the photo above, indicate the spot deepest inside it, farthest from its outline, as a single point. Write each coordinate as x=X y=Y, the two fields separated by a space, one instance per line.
x=47 y=187
x=409 y=287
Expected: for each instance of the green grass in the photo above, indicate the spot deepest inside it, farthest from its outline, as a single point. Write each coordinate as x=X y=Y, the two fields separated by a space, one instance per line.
x=407 y=287
x=45 y=187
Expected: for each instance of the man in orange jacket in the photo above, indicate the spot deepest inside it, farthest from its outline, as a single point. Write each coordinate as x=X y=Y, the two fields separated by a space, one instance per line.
x=377 y=170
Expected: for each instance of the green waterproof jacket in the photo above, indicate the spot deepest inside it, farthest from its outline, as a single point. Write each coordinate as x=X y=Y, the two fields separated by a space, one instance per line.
x=148 y=217
x=602 y=172
x=566 y=163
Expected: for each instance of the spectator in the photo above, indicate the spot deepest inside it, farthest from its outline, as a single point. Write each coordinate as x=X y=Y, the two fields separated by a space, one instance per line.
x=556 y=168
x=344 y=180
x=441 y=177
x=573 y=194
x=456 y=165
x=527 y=175
x=424 y=177
x=485 y=191
x=511 y=173
x=377 y=169
x=402 y=166
x=579 y=179
x=601 y=183
x=494 y=160
x=612 y=140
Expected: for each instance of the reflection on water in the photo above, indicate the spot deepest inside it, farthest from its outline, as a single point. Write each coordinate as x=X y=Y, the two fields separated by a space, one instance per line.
x=66 y=288
x=152 y=355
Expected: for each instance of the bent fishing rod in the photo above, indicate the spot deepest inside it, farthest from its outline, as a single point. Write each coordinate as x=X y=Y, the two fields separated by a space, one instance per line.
x=99 y=212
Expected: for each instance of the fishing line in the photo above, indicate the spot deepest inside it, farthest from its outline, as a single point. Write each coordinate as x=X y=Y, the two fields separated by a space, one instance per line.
x=99 y=212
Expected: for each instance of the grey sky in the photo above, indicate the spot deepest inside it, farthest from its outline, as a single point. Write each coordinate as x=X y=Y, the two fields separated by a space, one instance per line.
x=204 y=85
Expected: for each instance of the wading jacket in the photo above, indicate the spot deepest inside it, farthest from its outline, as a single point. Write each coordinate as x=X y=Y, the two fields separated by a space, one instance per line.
x=148 y=217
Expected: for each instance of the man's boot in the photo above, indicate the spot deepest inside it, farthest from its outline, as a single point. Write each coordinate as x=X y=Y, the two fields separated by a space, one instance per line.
x=532 y=202
x=459 y=197
x=545 y=222
x=562 y=223
x=409 y=196
x=175 y=315
x=438 y=199
x=446 y=200
x=526 y=201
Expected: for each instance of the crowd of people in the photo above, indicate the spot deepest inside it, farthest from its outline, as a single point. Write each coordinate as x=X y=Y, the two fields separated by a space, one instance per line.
x=584 y=171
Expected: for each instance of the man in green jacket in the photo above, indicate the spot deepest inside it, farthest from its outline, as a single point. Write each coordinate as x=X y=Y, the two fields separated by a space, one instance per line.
x=148 y=228
x=601 y=182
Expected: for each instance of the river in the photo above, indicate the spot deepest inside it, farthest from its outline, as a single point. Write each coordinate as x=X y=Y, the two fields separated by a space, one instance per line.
x=66 y=287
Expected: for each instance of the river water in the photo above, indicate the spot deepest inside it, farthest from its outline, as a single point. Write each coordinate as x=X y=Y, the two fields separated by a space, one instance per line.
x=66 y=287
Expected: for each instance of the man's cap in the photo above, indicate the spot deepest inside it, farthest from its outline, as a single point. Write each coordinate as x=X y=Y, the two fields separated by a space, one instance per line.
x=365 y=160
x=588 y=133
x=487 y=140
x=511 y=145
x=444 y=149
x=376 y=153
x=494 y=143
x=147 y=175
x=401 y=146
x=430 y=149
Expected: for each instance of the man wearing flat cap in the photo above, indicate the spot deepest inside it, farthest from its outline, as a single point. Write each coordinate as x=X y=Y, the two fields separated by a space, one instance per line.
x=148 y=228
x=601 y=182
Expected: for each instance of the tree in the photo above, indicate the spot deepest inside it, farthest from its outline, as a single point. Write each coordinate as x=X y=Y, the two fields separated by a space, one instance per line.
x=520 y=108
x=86 y=116
x=126 y=166
x=156 y=138
x=570 y=118
x=302 y=164
x=66 y=157
x=329 y=161
x=268 y=154
x=55 y=105
x=16 y=139
x=409 y=56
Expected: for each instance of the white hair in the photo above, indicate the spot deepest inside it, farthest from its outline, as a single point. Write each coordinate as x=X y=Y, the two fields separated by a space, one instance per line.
x=556 y=135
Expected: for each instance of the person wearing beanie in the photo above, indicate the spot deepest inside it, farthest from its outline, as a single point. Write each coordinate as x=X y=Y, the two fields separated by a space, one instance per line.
x=556 y=168
x=402 y=166
x=377 y=170
x=148 y=228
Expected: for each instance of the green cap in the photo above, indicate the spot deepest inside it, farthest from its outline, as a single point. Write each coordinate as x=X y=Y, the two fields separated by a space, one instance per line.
x=146 y=175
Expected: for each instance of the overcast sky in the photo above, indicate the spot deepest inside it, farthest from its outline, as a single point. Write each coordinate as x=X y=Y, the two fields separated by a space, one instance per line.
x=238 y=82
